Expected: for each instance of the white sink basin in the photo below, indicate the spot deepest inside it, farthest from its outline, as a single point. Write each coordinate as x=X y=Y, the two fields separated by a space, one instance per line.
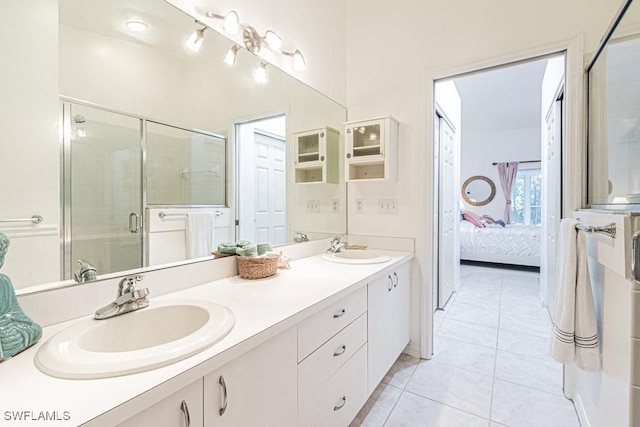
x=161 y=334
x=356 y=256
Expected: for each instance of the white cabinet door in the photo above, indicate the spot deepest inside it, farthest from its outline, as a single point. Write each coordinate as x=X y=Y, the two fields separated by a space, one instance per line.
x=181 y=409
x=388 y=321
x=258 y=388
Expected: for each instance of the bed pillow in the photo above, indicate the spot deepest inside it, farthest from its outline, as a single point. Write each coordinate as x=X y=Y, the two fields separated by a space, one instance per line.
x=473 y=218
x=488 y=220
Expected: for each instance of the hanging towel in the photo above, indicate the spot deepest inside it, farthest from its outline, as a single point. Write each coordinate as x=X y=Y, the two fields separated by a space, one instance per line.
x=575 y=332
x=199 y=232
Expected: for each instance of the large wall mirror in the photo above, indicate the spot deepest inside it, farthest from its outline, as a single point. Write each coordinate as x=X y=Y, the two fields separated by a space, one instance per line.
x=614 y=113
x=114 y=135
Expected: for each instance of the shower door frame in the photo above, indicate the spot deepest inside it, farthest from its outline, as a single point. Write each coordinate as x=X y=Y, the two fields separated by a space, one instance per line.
x=66 y=261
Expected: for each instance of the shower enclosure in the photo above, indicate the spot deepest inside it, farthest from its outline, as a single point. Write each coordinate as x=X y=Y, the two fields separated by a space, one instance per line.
x=115 y=166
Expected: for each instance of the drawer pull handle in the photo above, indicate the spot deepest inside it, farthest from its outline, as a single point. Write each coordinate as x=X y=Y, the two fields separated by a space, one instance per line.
x=340 y=313
x=340 y=405
x=397 y=280
x=224 y=395
x=390 y=284
x=340 y=351
x=185 y=411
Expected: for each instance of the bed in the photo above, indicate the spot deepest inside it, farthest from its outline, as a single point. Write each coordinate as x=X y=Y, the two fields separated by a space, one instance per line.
x=513 y=244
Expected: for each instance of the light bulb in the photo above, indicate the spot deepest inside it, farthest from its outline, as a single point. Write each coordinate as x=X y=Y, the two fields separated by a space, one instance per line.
x=231 y=22
x=195 y=40
x=298 y=61
x=361 y=130
x=373 y=137
x=260 y=74
x=232 y=55
x=273 y=40
x=136 y=26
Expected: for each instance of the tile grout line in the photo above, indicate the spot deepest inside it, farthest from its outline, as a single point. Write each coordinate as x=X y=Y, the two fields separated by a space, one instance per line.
x=402 y=391
x=495 y=360
x=445 y=404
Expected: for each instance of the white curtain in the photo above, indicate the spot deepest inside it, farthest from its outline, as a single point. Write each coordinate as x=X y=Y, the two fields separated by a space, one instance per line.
x=507 y=172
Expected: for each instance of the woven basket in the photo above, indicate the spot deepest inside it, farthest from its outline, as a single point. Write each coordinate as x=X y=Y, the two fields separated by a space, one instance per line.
x=257 y=268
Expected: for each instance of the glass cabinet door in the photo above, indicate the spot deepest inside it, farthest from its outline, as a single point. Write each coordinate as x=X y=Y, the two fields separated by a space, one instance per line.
x=308 y=147
x=366 y=140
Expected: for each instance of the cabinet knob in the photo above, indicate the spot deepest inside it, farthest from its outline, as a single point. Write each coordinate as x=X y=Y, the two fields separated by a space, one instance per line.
x=321 y=134
x=340 y=351
x=390 y=283
x=340 y=405
x=322 y=158
x=348 y=155
x=224 y=395
x=340 y=313
x=348 y=130
x=185 y=412
x=397 y=280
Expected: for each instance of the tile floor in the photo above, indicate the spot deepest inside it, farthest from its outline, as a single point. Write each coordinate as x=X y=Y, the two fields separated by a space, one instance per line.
x=491 y=365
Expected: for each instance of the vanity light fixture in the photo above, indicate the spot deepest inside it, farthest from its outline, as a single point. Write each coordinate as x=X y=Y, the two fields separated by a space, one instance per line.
x=253 y=41
x=136 y=25
x=260 y=74
x=232 y=55
x=195 y=39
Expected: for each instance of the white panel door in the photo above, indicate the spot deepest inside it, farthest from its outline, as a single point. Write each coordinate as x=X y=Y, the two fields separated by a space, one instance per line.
x=446 y=200
x=270 y=185
x=552 y=184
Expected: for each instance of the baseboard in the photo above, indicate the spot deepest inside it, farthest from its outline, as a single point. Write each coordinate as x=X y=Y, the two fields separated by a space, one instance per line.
x=412 y=350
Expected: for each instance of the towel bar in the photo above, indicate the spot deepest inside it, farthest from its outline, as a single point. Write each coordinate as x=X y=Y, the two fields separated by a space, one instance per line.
x=609 y=229
x=162 y=214
x=36 y=219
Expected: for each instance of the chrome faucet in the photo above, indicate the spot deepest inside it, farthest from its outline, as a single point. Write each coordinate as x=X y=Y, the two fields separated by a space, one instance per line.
x=128 y=299
x=301 y=237
x=337 y=244
x=86 y=273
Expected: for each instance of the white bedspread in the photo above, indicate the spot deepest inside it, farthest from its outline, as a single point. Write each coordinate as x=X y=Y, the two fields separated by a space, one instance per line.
x=523 y=240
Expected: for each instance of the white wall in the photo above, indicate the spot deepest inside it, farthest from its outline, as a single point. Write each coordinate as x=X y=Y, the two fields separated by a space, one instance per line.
x=481 y=149
x=29 y=135
x=391 y=48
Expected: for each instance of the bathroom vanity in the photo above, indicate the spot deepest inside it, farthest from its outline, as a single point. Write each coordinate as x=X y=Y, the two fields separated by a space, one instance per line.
x=308 y=348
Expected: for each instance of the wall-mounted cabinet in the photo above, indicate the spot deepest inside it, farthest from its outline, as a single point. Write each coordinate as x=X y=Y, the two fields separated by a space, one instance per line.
x=316 y=156
x=372 y=150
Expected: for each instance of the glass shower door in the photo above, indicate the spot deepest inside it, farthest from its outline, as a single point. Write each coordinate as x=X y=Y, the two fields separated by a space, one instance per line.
x=103 y=190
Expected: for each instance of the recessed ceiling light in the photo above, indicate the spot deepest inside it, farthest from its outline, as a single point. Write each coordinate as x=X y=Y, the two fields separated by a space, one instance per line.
x=135 y=25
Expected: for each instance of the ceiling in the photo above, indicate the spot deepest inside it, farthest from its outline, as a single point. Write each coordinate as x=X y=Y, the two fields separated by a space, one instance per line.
x=503 y=98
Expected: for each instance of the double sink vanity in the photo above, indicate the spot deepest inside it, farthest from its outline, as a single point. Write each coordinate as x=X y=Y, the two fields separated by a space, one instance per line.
x=305 y=347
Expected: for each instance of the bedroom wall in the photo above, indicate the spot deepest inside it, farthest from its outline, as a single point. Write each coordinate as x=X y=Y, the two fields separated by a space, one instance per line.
x=481 y=149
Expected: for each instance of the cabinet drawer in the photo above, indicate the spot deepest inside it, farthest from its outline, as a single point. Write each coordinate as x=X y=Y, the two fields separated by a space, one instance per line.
x=317 y=329
x=316 y=369
x=340 y=399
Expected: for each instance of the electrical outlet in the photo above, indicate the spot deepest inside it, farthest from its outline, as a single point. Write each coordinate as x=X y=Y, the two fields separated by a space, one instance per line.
x=388 y=206
x=313 y=206
x=335 y=206
x=359 y=206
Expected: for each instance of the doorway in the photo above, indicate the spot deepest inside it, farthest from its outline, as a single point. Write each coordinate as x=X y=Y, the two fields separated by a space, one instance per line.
x=503 y=117
x=261 y=159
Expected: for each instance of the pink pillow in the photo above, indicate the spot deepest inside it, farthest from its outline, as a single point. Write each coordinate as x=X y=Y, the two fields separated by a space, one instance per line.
x=473 y=218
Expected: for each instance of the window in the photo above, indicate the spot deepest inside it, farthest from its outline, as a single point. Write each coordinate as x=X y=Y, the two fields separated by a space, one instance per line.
x=525 y=196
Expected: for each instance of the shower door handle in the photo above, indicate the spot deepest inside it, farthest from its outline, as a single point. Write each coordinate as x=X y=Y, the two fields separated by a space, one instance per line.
x=635 y=256
x=134 y=222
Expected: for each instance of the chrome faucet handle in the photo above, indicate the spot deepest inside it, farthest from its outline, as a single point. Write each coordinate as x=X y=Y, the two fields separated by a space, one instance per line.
x=127 y=284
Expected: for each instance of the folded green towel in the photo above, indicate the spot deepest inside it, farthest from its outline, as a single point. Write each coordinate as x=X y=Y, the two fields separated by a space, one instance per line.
x=264 y=247
x=248 y=250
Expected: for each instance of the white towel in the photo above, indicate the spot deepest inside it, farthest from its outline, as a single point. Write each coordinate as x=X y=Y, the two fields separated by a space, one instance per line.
x=575 y=331
x=199 y=232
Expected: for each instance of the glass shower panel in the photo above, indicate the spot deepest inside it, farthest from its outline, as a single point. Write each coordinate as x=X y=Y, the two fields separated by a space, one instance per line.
x=185 y=168
x=104 y=207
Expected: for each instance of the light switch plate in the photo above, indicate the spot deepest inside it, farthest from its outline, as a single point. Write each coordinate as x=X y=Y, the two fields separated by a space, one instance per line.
x=388 y=206
x=313 y=206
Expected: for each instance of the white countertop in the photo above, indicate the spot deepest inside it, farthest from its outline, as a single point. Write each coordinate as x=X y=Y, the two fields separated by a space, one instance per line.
x=263 y=308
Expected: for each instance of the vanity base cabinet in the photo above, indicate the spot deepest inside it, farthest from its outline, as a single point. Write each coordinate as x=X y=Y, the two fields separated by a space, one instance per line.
x=258 y=388
x=388 y=322
x=339 y=400
x=181 y=409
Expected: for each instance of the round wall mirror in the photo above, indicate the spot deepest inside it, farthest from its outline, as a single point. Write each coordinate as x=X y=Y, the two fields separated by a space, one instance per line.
x=478 y=190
